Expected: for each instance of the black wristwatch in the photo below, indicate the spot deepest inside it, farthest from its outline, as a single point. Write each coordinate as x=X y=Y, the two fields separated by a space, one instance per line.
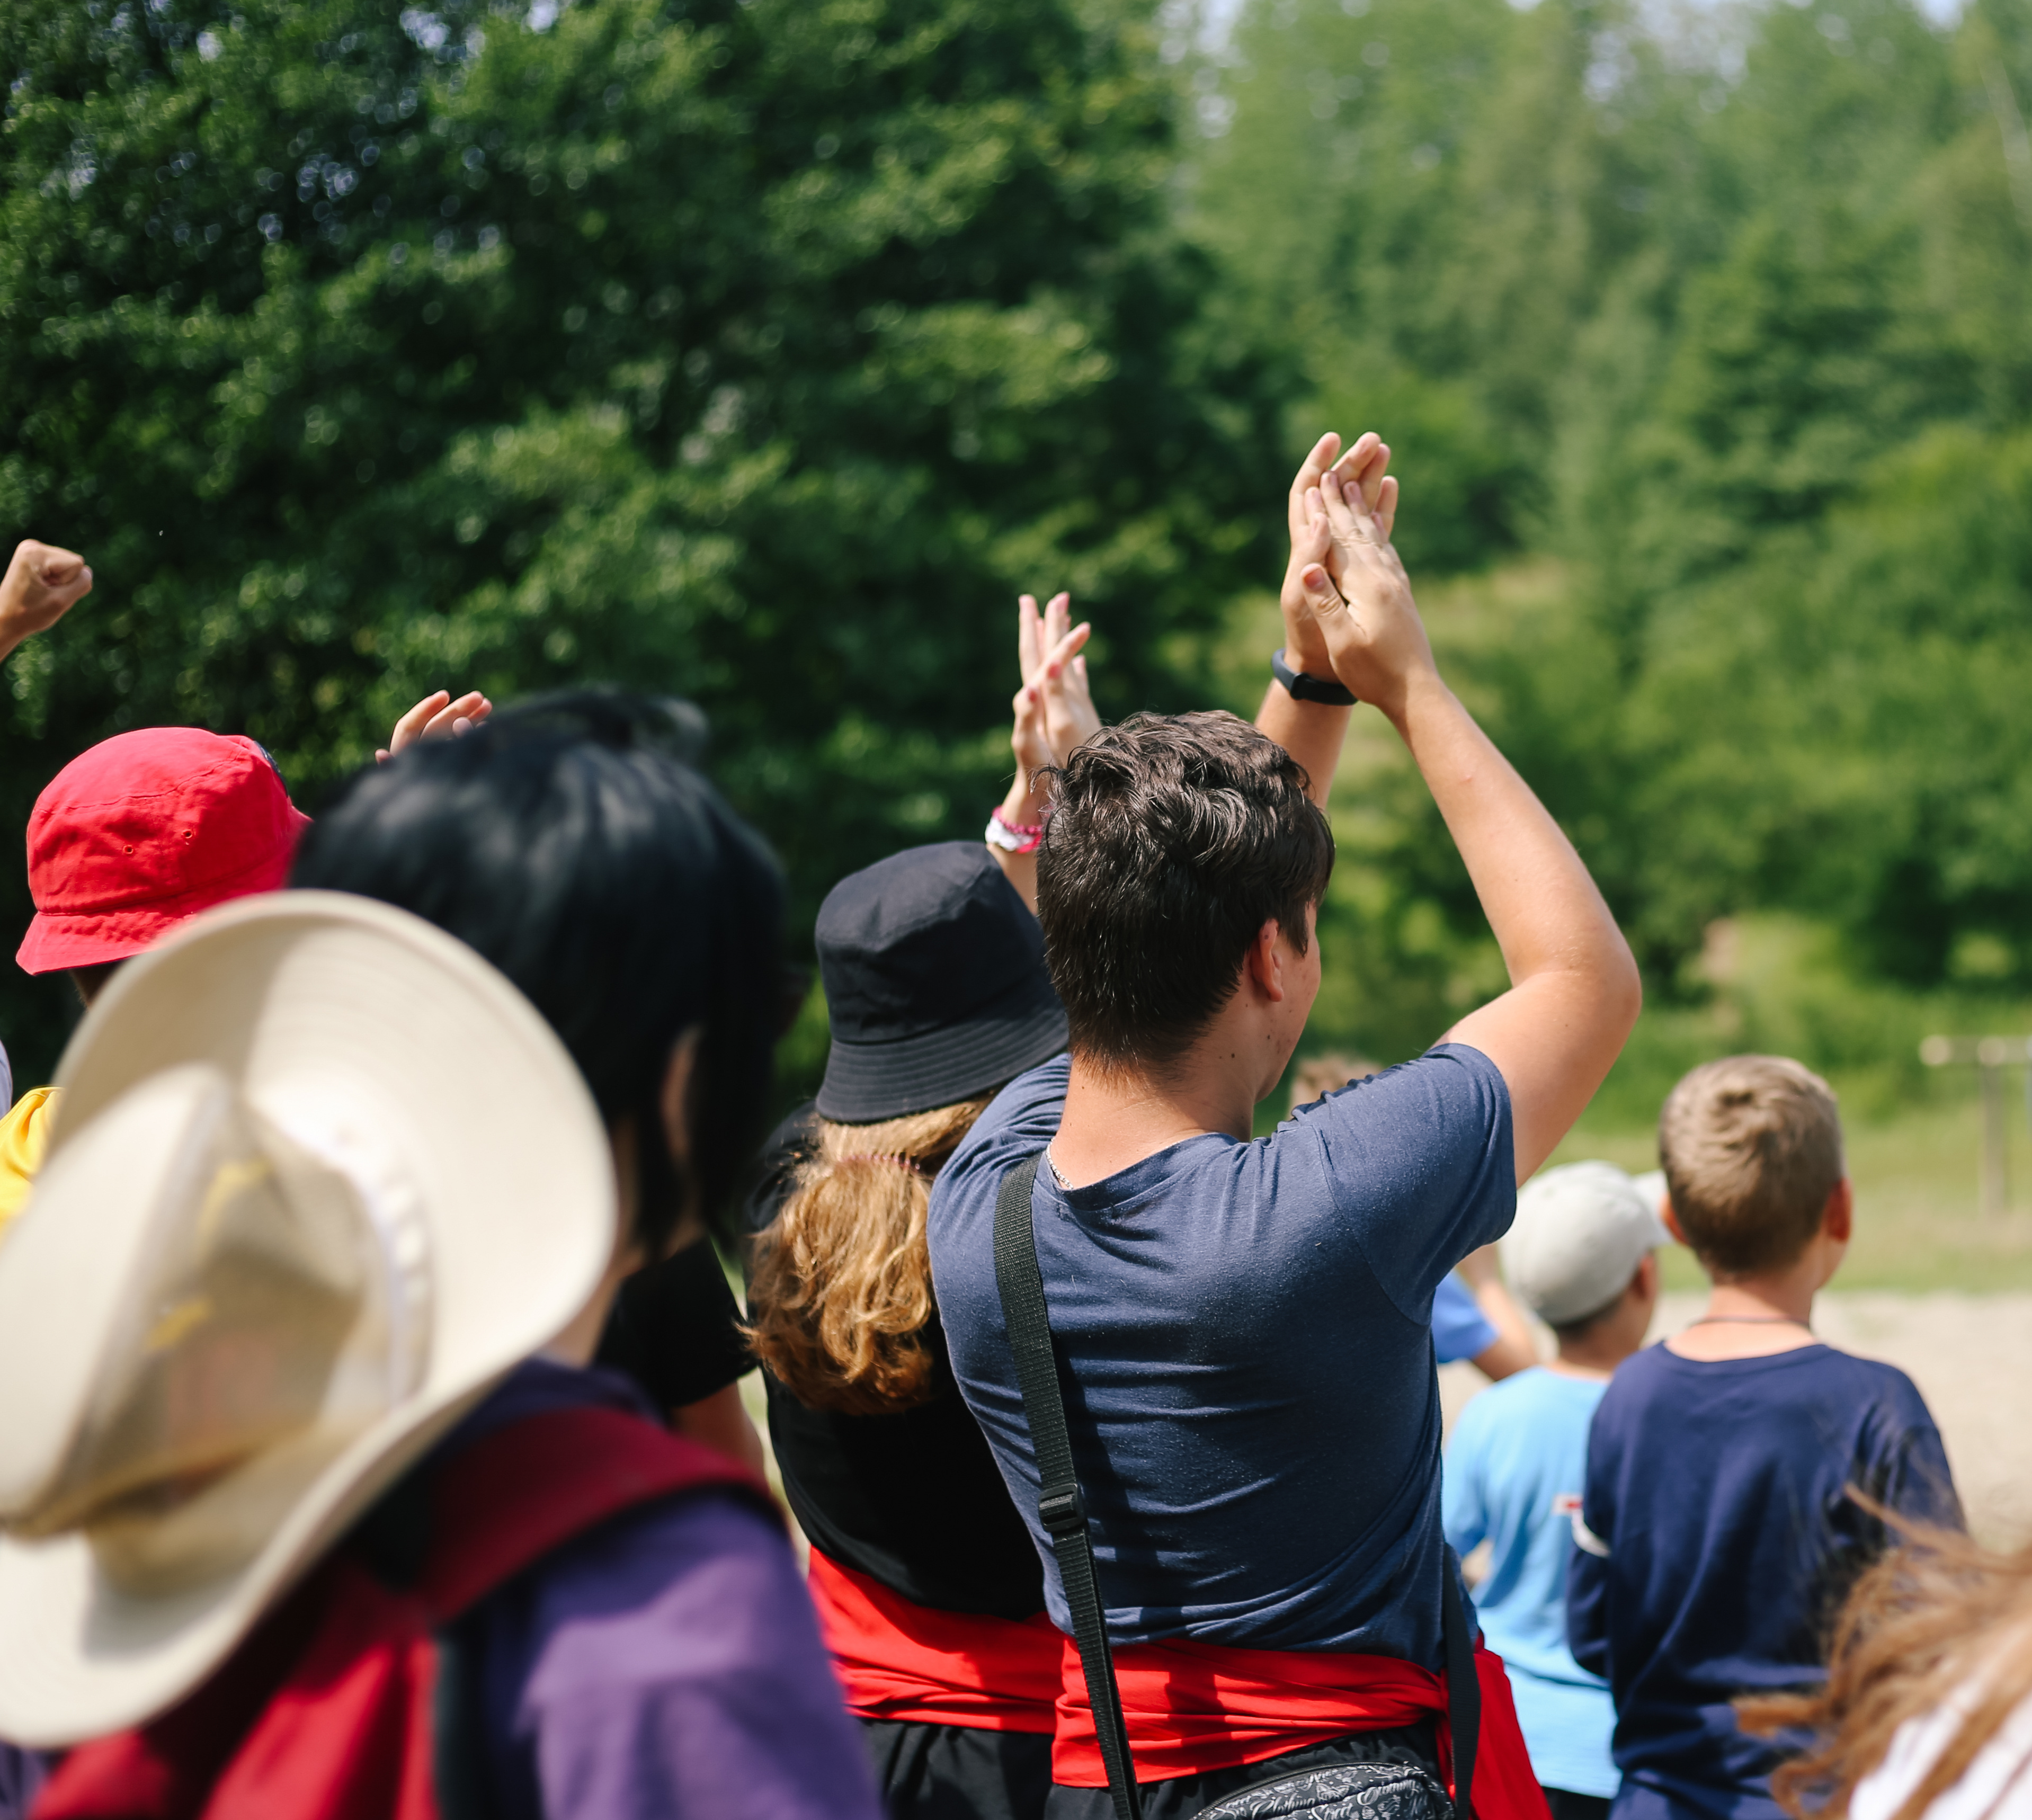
x=1301 y=687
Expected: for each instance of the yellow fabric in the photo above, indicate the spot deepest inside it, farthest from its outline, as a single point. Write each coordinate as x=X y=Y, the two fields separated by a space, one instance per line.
x=24 y=1135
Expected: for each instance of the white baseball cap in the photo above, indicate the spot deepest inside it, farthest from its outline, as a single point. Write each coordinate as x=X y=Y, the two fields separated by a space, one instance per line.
x=1580 y=1232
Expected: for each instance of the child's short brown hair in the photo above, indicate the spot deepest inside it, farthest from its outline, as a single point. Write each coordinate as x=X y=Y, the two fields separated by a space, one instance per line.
x=1752 y=1147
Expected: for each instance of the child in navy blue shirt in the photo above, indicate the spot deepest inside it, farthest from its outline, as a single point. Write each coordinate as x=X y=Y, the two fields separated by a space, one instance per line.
x=1720 y=1526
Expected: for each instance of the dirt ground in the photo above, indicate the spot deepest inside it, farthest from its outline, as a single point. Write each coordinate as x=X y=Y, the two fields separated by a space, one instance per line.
x=1971 y=1356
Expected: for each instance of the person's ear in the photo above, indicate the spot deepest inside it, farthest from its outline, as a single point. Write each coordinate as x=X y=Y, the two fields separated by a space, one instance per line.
x=1644 y=1283
x=673 y=1110
x=1672 y=1222
x=1263 y=965
x=674 y=1099
x=1838 y=1217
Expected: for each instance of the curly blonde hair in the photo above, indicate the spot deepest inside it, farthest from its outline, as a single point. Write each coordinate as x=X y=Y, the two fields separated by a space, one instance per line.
x=841 y=1287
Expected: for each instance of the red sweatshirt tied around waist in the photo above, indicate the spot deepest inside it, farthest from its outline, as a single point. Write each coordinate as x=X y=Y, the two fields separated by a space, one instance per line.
x=897 y=1660
x=1191 y=1707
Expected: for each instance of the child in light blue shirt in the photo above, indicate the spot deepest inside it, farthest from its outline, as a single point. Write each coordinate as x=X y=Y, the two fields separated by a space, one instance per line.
x=1580 y=1256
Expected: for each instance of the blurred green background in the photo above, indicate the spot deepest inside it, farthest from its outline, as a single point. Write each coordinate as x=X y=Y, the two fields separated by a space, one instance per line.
x=761 y=352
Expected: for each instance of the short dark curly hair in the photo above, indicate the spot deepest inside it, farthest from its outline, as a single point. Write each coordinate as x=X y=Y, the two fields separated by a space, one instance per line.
x=1172 y=840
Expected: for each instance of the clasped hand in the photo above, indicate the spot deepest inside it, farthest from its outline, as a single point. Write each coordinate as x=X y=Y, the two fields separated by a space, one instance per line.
x=1347 y=601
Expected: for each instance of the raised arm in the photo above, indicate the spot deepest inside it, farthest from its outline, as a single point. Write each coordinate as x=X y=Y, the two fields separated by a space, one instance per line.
x=41 y=584
x=1312 y=731
x=1575 y=991
x=1053 y=712
x=1516 y=1347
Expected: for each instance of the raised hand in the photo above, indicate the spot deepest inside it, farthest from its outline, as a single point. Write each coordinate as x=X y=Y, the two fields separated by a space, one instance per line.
x=437 y=716
x=1048 y=650
x=1037 y=632
x=1359 y=598
x=1365 y=463
x=1379 y=487
x=1053 y=712
x=41 y=584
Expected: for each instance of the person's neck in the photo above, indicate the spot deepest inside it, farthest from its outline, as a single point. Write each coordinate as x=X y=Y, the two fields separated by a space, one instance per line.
x=1580 y=1358
x=1595 y=1352
x=1115 y=1117
x=580 y=1341
x=1754 y=1317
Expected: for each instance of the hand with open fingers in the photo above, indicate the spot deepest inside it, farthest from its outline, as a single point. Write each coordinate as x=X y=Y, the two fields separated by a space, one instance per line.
x=1366 y=464
x=1048 y=651
x=437 y=716
x=41 y=584
x=1360 y=599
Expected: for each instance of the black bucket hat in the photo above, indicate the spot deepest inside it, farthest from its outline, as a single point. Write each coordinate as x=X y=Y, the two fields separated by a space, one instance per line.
x=935 y=980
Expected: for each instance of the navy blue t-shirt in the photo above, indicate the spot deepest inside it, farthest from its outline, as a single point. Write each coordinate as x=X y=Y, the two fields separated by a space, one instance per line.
x=1255 y=1419
x=1717 y=1490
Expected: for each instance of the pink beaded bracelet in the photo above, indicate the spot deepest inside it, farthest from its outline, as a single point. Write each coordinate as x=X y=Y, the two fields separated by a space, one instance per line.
x=1014 y=836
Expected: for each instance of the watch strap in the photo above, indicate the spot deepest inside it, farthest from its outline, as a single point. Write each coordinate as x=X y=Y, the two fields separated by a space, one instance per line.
x=1301 y=687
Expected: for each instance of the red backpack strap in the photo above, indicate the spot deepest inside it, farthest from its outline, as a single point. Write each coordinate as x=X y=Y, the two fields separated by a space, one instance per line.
x=323 y=1711
x=501 y=1503
x=165 y=1769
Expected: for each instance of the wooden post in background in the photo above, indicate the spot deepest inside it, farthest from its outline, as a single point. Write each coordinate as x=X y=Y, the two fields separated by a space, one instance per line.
x=1992 y=1054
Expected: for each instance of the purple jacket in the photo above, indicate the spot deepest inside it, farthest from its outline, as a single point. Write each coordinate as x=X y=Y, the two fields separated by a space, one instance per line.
x=666 y=1664
x=21 y=1774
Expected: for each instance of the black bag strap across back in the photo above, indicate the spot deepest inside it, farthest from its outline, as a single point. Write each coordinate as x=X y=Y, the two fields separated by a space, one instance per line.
x=1064 y=1513
x=1060 y=1506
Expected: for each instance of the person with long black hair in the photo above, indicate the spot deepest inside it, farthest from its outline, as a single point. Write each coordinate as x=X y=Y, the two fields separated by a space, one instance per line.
x=927 y=1593
x=667 y=1663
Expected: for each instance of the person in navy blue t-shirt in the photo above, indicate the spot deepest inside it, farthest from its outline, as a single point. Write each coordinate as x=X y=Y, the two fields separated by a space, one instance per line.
x=1243 y=1325
x=1722 y=1524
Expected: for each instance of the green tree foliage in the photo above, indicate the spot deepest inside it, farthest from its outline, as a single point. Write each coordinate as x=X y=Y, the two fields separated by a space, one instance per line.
x=1704 y=347
x=757 y=351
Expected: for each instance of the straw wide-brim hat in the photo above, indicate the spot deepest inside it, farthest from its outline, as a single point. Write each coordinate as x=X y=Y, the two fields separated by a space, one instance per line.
x=343 y=1101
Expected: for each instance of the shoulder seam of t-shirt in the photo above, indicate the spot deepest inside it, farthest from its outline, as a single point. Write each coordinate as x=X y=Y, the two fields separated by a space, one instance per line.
x=1354 y=1232
x=984 y=1136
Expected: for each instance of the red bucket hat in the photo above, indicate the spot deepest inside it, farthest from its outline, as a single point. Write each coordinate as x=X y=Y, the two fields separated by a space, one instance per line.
x=145 y=830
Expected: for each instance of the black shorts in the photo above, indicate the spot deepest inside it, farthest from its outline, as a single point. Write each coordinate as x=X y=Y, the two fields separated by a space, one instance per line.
x=1566 y=1805
x=1185 y=1796
x=959 y=1772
